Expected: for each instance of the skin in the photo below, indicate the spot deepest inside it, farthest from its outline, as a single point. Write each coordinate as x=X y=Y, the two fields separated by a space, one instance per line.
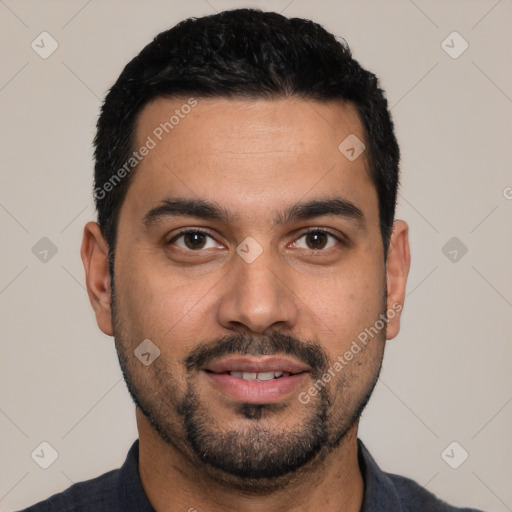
x=254 y=158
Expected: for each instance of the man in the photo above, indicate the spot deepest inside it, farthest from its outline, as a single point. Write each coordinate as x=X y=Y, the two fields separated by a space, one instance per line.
x=247 y=262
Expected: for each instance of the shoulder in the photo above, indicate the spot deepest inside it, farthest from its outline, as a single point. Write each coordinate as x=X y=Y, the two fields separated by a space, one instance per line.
x=415 y=498
x=119 y=490
x=97 y=494
x=387 y=492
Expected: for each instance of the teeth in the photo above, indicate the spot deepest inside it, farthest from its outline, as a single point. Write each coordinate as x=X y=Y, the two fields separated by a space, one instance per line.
x=265 y=375
x=262 y=376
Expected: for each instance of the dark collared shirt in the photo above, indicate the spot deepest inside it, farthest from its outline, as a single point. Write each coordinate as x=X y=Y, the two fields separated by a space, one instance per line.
x=121 y=491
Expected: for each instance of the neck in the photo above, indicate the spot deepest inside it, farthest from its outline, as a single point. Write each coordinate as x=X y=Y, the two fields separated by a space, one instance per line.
x=173 y=482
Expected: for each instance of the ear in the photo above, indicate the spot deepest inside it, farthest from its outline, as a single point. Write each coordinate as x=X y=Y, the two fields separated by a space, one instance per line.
x=397 y=268
x=94 y=254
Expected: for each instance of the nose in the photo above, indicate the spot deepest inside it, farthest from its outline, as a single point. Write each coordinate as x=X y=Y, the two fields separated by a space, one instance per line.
x=257 y=297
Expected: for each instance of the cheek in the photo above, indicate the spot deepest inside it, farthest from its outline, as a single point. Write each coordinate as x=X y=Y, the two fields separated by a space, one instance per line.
x=346 y=302
x=155 y=302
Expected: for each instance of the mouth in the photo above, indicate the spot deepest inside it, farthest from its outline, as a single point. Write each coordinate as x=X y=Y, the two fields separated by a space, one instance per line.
x=260 y=376
x=256 y=379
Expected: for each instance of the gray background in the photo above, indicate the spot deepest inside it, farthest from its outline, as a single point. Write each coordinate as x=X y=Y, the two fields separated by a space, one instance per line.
x=446 y=377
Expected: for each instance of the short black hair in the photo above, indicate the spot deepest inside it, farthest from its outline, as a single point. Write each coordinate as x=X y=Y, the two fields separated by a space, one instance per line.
x=241 y=53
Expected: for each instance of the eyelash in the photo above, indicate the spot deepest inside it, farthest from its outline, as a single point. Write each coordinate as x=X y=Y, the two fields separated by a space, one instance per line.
x=206 y=233
x=324 y=232
x=189 y=231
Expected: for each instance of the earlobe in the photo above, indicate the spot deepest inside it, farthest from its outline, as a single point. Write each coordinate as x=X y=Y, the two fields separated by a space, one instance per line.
x=94 y=254
x=397 y=270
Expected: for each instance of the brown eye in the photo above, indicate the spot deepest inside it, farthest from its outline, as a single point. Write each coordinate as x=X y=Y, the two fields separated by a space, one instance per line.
x=194 y=241
x=316 y=240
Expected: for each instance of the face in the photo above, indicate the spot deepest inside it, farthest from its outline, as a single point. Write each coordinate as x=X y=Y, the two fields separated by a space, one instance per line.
x=249 y=252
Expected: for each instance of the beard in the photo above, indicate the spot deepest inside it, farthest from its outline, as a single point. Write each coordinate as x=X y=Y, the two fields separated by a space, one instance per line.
x=257 y=454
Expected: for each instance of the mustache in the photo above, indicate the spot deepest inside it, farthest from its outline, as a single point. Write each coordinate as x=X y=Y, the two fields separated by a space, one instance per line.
x=307 y=351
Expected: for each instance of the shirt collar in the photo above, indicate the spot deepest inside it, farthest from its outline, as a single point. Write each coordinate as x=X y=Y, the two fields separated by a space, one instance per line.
x=131 y=492
x=379 y=492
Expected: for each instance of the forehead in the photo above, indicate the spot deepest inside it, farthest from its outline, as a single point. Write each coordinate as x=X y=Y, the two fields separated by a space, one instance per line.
x=253 y=154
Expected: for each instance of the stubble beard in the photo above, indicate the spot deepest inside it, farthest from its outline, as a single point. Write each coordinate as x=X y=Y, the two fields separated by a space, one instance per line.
x=253 y=458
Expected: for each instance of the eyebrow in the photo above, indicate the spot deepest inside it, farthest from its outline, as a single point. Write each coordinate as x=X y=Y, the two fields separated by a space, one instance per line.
x=336 y=206
x=174 y=207
x=202 y=209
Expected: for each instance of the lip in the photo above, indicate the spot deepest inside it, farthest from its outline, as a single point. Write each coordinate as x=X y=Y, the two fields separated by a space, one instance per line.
x=254 y=391
x=256 y=364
